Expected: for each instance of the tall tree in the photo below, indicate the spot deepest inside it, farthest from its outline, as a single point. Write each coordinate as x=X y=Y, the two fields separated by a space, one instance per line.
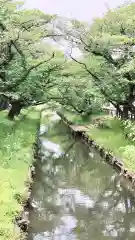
x=28 y=63
x=108 y=56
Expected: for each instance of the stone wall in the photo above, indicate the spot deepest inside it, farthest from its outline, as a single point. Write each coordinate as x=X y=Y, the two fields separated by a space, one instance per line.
x=104 y=153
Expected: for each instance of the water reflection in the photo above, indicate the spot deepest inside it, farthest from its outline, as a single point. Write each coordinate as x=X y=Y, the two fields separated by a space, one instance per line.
x=49 y=148
x=77 y=195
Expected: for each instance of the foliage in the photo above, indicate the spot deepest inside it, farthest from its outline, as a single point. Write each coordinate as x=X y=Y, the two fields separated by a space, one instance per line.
x=15 y=157
x=129 y=129
x=81 y=100
x=76 y=92
x=108 y=56
x=129 y=156
x=32 y=71
x=104 y=124
x=28 y=66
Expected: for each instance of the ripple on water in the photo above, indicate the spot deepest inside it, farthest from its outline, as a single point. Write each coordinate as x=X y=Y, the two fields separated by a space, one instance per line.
x=50 y=148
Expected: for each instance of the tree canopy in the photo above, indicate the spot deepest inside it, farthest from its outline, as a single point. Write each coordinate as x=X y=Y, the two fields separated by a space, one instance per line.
x=31 y=67
x=28 y=63
x=108 y=56
x=34 y=71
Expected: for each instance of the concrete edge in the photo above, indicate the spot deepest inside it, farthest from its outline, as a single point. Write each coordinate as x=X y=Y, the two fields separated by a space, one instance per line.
x=108 y=155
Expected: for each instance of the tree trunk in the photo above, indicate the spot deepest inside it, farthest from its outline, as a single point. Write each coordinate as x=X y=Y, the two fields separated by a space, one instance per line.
x=85 y=115
x=132 y=110
x=118 y=110
x=15 y=109
x=125 y=111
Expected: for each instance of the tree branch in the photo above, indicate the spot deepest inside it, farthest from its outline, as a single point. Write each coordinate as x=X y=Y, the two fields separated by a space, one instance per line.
x=28 y=72
x=104 y=53
x=97 y=81
x=14 y=43
x=38 y=24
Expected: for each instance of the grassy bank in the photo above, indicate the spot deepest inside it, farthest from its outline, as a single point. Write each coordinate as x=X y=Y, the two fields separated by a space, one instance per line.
x=78 y=119
x=16 y=139
x=111 y=137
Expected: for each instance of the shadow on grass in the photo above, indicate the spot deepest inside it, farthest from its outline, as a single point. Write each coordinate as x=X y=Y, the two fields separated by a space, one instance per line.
x=16 y=138
x=7 y=127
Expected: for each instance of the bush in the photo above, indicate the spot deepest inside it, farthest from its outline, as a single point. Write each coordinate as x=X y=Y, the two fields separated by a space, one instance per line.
x=129 y=129
x=102 y=122
x=128 y=153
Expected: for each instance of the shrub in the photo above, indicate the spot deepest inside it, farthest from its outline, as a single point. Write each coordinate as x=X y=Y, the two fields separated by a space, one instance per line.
x=129 y=129
x=128 y=153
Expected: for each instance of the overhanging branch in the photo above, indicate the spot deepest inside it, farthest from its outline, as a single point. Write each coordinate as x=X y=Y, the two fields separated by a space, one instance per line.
x=97 y=81
x=14 y=43
x=13 y=86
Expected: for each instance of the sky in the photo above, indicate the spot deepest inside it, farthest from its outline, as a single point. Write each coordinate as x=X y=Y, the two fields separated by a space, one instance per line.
x=84 y=10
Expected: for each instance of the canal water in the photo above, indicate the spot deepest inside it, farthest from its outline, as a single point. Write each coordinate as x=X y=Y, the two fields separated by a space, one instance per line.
x=76 y=194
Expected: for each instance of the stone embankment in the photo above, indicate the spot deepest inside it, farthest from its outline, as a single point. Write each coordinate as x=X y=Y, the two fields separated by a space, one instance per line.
x=106 y=154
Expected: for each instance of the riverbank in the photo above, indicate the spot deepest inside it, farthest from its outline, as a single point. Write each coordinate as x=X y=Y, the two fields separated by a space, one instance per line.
x=16 y=155
x=108 y=133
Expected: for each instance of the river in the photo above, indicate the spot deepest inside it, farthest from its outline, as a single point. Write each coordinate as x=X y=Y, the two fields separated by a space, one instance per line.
x=76 y=195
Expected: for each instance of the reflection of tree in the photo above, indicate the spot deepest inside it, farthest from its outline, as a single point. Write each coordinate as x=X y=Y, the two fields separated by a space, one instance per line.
x=113 y=212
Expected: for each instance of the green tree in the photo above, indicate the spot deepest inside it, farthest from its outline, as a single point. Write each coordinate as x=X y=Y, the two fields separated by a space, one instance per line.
x=32 y=71
x=108 y=56
x=75 y=91
x=28 y=64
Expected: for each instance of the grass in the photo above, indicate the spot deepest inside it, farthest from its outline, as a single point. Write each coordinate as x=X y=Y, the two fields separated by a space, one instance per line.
x=78 y=119
x=16 y=140
x=112 y=138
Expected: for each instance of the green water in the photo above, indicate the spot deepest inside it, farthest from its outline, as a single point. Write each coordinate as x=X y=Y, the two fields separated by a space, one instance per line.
x=76 y=195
